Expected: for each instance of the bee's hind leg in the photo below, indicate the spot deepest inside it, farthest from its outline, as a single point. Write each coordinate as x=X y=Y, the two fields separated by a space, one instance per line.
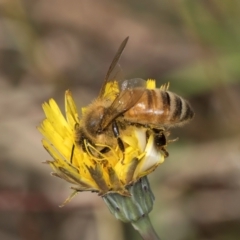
x=159 y=138
x=160 y=141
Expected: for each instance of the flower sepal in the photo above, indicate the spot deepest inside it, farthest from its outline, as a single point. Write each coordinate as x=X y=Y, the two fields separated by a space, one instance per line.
x=131 y=208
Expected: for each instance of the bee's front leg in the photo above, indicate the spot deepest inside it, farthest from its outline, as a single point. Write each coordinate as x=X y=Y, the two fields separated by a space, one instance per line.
x=117 y=135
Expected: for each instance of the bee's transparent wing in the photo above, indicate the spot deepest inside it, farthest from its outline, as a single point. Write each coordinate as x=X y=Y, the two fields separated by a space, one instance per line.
x=133 y=83
x=114 y=72
x=131 y=92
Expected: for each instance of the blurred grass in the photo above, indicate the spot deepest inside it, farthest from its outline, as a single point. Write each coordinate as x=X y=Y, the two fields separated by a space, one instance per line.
x=206 y=74
x=194 y=45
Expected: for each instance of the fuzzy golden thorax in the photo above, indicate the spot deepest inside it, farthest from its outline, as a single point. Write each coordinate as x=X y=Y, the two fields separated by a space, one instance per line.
x=90 y=125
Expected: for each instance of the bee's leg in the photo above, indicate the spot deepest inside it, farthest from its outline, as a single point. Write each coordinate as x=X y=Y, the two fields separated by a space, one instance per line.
x=77 y=139
x=116 y=134
x=160 y=141
x=165 y=152
x=159 y=138
x=72 y=152
x=85 y=146
x=105 y=150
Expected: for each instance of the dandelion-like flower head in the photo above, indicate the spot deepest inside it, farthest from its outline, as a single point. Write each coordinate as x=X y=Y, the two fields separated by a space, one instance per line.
x=112 y=171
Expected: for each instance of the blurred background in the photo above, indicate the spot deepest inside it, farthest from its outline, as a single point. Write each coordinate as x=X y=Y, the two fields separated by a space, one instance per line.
x=49 y=46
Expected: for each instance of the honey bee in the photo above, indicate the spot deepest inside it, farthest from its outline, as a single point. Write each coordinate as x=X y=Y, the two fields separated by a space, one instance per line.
x=106 y=119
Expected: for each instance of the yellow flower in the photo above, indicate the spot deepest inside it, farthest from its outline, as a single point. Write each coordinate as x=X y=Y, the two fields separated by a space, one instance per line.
x=110 y=173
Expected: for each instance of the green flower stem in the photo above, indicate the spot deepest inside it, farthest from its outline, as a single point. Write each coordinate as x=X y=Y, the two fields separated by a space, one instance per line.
x=144 y=227
x=134 y=208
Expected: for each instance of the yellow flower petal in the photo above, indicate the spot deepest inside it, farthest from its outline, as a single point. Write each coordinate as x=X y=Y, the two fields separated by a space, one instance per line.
x=151 y=160
x=71 y=110
x=111 y=90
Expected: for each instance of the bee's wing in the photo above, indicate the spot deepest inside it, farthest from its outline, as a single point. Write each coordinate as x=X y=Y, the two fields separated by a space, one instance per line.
x=114 y=70
x=133 y=83
x=131 y=92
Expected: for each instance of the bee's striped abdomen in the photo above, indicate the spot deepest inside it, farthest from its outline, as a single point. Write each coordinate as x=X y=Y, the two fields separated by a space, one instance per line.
x=159 y=108
x=180 y=110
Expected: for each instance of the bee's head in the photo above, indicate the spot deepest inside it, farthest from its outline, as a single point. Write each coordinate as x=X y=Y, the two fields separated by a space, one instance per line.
x=94 y=120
